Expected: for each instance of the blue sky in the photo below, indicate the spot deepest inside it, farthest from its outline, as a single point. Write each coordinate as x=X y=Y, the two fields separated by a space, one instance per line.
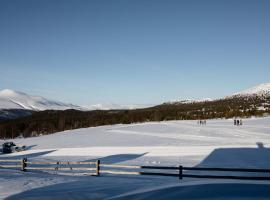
x=139 y=51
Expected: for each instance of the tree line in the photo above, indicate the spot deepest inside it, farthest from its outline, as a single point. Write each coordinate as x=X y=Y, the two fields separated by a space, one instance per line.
x=51 y=121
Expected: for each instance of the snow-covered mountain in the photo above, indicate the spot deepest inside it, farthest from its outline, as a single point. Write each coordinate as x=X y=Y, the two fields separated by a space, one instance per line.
x=259 y=90
x=113 y=106
x=187 y=101
x=10 y=99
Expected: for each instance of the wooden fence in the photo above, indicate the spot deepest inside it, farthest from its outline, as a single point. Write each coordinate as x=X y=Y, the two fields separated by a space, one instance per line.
x=96 y=168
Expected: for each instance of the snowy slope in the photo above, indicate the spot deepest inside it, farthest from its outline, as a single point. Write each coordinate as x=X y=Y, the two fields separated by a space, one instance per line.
x=218 y=144
x=259 y=90
x=113 y=106
x=187 y=101
x=10 y=99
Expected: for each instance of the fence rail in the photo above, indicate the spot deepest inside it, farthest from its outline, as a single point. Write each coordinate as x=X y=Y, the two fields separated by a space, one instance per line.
x=12 y=164
x=227 y=169
x=96 y=168
x=61 y=163
x=10 y=160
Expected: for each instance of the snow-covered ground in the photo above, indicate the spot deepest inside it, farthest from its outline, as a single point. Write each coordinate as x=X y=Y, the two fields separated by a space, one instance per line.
x=173 y=143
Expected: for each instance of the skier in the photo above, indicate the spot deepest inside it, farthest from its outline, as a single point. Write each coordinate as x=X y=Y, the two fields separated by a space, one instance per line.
x=241 y=123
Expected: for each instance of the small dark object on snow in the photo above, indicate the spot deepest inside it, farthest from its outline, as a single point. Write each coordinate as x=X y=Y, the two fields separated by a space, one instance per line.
x=10 y=147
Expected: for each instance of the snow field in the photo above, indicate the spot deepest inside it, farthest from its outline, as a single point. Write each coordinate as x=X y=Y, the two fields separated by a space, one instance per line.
x=218 y=144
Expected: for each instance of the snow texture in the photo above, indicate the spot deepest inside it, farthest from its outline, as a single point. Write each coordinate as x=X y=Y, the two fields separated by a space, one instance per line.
x=173 y=143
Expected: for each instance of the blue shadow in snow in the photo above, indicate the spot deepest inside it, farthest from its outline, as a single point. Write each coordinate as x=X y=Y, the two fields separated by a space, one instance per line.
x=238 y=157
x=31 y=155
x=119 y=158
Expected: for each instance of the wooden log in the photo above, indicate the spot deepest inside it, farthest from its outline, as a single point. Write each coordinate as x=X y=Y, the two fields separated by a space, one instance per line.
x=227 y=177
x=42 y=163
x=10 y=166
x=10 y=160
x=24 y=164
x=60 y=168
x=77 y=168
x=158 y=174
x=41 y=168
x=77 y=163
x=160 y=167
x=120 y=166
x=180 y=172
x=97 y=167
x=226 y=169
x=119 y=172
x=61 y=163
x=138 y=173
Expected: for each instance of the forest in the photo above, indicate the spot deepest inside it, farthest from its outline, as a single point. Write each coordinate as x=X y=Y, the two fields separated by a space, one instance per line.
x=51 y=121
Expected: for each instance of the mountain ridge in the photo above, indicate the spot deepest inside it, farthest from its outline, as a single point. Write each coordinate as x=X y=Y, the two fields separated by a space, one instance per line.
x=245 y=105
x=260 y=91
x=10 y=99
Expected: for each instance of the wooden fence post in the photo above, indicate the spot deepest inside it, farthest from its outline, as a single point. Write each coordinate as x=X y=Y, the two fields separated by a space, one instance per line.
x=97 y=167
x=180 y=172
x=24 y=164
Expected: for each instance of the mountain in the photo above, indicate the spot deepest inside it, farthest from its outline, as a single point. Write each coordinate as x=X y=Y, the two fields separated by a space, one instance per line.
x=14 y=104
x=188 y=101
x=113 y=106
x=10 y=99
x=262 y=90
x=252 y=102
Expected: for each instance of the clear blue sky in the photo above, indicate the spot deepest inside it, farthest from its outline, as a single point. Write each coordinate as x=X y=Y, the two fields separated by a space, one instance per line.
x=138 y=51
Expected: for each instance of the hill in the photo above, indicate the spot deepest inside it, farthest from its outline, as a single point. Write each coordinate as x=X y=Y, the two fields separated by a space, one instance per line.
x=10 y=99
x=243 y=104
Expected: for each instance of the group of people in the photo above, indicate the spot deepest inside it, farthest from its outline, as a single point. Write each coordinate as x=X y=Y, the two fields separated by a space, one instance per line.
x=238 y=122
x=202 y=122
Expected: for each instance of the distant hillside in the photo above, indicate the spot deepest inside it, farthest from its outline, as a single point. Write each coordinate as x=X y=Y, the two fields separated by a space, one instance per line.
x=262 y=90
x=14 y=113
x=14 y=104
x=244 y=104
x=10 y=99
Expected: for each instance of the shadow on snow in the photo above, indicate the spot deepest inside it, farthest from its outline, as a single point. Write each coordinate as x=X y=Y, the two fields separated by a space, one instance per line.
x=100 y=188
